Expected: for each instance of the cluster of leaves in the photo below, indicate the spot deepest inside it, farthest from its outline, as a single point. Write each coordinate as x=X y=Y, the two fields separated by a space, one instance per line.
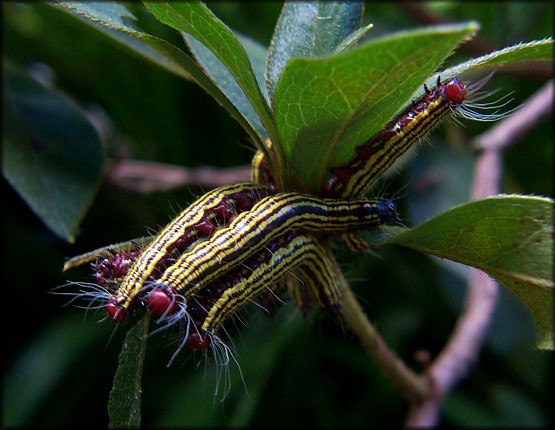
x=318 y=96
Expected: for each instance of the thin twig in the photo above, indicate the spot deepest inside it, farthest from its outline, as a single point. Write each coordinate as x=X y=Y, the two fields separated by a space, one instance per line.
x=508 y=131
x=147 y=177
x=462 y=350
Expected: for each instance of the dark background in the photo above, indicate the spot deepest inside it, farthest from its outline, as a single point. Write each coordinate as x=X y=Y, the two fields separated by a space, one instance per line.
x=59 y=362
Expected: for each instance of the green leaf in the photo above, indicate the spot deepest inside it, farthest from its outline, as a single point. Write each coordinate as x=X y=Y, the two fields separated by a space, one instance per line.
x=325 y=107
x=197 y=20
x=115 y=20
x=508 y=237
x=258 y=55
x=219 y=73
x=118 y=23
x=52 y=154
x=124 y=404
x=538 y=50
x=309 y=29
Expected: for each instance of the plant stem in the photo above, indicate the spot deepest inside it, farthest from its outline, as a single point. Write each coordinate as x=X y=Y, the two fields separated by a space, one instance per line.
x=124 y=402
x=411 y=384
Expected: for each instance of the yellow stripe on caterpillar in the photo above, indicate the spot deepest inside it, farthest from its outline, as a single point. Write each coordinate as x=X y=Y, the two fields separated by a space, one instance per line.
x=380 y=152
x=319 y=281
x=289 y=253
x=200 y=220
x=268 y=219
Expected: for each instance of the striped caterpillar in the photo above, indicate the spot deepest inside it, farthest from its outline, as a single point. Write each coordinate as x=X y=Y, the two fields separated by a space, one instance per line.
x=233 y=225
x=242 y=242
x=228 y=247
x=218 y=301
x=199 y=277
x=205 y=311
x=377 y=155
x=269 y=218
x=216 y=209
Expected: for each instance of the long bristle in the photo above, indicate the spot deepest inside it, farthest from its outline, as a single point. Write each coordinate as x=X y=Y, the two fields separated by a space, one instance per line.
x=486 y=111
x=93 y=296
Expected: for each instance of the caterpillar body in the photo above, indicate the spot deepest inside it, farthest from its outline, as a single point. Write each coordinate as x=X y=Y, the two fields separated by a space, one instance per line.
x=377 y=155
x=216 y=209
x=248 y=233
x=251 y=231
x=216 y=303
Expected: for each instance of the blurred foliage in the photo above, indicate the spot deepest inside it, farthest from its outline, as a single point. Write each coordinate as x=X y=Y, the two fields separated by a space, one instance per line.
x=59 y=364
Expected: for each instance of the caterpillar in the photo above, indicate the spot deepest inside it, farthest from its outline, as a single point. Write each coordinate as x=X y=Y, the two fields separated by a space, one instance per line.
x=260 y=169
x=377 y=155
x=200 y=220
x=210 y=306
x=252 y=230
x=162 y=289
x=160 y=270
x=219 y=300
x=239 y=242
x=216 y=303
x=315 y=282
